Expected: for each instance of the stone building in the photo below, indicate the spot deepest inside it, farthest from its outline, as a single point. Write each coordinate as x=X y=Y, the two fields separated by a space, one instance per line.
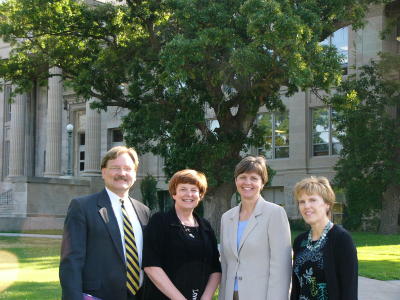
x=37 y=178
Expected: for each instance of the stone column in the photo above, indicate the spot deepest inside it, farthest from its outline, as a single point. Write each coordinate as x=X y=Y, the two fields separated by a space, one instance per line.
x=17 y=136
x=92 y=141
x=54 y=124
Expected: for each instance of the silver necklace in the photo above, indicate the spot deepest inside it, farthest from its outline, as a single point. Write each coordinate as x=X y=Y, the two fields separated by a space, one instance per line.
x=315 y=246
x=188 y=229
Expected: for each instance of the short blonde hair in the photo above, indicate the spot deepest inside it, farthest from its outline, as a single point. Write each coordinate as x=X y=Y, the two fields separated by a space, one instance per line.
x=188 y=176
x=114 y=152
x=256 y=164
x=315 y=185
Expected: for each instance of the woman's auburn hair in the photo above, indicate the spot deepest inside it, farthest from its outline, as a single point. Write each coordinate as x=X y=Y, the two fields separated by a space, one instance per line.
x=188 y=176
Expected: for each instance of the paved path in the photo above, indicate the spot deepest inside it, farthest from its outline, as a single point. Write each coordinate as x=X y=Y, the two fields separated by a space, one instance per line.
x=50 y=236
x=371 y=289
x=368 y=289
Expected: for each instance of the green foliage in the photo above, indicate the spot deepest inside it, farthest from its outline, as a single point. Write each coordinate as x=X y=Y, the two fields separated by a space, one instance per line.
x=298 y=225
x=148 y=189
x=368 y=116
x=169 y=61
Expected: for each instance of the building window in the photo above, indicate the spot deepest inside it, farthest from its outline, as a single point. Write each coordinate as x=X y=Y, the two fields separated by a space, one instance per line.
x=324 y=132
x=81 y=157
x=276 y=126
x=7 y=104
x=6 y=158
x=340 y=39
x=115 y=137
x=275 y=195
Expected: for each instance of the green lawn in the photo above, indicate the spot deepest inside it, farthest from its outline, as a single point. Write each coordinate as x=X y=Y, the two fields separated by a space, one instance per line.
x=29 y=266
x=378 y=255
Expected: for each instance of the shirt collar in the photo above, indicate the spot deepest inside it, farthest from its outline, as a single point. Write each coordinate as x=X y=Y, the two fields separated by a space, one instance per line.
x=114 y=198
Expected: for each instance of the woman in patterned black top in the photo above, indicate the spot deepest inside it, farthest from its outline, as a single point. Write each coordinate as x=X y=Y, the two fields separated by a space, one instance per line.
x=325 y=263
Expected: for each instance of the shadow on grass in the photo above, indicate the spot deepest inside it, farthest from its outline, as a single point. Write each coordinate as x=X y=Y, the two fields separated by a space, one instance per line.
x=40 y=260
x=36 y=252
x=32 y=291
x=379 y=269
x=373 y=239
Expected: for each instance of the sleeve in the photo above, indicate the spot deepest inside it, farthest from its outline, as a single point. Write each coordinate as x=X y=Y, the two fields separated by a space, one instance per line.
x=215 y=263
x=153 y=242
x=73 y=252
x=280 y=256
x=223 y=263
x=347 y=267
x=294 y=294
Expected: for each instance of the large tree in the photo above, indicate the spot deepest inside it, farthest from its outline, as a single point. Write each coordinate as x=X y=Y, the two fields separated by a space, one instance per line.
x=369 y=164
x=171 y=61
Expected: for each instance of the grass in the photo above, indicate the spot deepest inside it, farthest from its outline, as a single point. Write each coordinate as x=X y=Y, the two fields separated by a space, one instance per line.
x=378 y=255
x=29 y=266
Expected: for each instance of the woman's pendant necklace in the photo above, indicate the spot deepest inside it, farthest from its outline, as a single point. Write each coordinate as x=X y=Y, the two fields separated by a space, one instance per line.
x=188 y=231
x=314 y=246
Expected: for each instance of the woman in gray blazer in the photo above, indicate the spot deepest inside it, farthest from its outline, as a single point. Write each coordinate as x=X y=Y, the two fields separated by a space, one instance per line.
x=255 y=240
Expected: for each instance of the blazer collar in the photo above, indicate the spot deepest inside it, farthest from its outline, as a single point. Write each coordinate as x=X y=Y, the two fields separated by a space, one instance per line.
x=112 y=226
x=173 y=220
x=204 y=230
x=252 y=223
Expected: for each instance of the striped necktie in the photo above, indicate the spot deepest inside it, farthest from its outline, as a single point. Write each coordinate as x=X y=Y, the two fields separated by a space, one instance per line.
x=132 y=258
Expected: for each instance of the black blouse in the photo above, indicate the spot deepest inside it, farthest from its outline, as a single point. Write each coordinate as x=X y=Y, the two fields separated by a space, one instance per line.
x=309 y=270
x=188 y=258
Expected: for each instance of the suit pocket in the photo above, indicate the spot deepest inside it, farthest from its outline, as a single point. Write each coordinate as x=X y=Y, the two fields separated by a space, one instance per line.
x=91 y=285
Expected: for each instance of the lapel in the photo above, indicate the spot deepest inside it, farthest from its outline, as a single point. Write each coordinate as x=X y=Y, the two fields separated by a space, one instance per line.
x=112 y=225
x=205 y=234
x=253 y=222
x=175 y=223
x=233 y=227
x=138 y=212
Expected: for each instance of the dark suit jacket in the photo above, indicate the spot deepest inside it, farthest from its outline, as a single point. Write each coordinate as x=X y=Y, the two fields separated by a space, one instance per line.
x=92 y=259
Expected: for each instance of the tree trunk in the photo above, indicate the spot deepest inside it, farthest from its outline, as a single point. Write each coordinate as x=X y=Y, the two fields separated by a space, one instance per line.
x=390 y=210
x=216 y=202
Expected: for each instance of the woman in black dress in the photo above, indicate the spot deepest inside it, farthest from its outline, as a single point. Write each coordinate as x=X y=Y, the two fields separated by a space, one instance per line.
x=180 y=254
x=325 y=259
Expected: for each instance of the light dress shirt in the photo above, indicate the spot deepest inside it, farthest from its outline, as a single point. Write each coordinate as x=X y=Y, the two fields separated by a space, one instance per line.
x=241 y=227
x=137 y=228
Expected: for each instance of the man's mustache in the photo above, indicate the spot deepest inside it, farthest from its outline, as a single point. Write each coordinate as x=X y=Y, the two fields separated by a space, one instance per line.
x=120 y=178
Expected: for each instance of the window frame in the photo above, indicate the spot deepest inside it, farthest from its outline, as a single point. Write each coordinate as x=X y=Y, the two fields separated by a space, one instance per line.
x=331 y=130
x=273 y=146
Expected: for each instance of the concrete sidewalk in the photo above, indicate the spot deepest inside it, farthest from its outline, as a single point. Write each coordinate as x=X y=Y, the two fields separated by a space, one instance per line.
x=368 y=289
x=371 y=289
x=49 y=236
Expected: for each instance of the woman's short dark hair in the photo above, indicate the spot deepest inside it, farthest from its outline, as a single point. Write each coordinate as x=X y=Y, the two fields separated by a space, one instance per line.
x=256 y=164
